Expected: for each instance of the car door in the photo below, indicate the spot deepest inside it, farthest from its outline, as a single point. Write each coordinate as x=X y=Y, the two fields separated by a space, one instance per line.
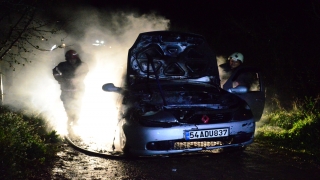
x=255 y=94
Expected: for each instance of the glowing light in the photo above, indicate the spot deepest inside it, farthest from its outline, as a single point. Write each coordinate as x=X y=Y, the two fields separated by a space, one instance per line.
x=98 y=121
x=53 y=47
x=98 y=43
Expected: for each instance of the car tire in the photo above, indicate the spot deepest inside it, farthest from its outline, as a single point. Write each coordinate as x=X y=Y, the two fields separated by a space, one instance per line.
x=122 y=140
x=123 y=143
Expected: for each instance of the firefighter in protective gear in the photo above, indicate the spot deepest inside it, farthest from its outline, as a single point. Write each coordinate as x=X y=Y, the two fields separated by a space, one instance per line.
x=234 y=61
x=243 y=79
x=70 y=75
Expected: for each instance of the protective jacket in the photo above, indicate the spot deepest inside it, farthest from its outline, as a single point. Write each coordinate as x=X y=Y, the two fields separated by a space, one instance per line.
x=70 y=77
x=243 y=79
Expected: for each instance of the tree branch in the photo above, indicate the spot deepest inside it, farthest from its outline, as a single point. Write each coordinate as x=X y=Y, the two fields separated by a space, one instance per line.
x=19 y=34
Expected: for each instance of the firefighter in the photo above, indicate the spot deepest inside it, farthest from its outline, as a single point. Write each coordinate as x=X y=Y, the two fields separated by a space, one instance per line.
x=70 y=75
x=245 y=79
x=235 y=60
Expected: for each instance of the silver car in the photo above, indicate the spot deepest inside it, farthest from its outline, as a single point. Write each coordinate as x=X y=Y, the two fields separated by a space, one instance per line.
x=172 y=100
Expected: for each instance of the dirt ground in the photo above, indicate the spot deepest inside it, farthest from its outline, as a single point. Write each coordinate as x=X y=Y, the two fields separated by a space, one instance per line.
x=256 y=162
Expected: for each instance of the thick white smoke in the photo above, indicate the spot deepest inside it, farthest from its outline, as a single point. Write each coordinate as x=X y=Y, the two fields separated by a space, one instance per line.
x=102 y=41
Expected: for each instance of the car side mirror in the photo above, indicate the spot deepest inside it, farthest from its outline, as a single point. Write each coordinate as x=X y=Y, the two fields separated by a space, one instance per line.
x=109 y=87
x=238 y=90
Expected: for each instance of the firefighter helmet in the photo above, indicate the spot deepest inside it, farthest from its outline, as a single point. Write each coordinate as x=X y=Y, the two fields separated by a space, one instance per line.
x=236 y=57
x=71 y=54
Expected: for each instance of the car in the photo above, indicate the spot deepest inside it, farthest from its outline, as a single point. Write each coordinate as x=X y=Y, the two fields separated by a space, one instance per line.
x=172 y=101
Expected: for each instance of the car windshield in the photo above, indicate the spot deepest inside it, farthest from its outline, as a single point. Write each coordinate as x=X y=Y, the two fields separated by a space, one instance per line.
x=165 y=55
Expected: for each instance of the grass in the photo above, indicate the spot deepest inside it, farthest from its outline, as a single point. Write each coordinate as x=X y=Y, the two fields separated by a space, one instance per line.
x=296 y=129
x=26 y=146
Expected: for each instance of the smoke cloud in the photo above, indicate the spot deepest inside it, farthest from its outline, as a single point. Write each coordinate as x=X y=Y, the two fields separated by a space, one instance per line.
x=102 y=40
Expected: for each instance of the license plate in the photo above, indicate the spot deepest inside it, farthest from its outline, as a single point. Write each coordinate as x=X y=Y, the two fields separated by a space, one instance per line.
x=207 y=133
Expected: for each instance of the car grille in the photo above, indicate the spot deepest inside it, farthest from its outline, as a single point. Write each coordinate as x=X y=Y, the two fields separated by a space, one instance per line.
x=183 y=144
x=192 y=145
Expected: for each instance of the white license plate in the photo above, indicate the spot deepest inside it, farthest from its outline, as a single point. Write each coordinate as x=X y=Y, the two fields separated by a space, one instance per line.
x=208 y=133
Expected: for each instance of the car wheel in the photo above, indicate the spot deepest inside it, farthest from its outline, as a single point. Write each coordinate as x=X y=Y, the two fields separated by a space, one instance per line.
x=122 y=140
x=123 y=143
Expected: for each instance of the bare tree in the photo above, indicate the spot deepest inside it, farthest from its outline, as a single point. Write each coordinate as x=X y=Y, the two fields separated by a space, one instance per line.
x=25 y=24
x=25 y=27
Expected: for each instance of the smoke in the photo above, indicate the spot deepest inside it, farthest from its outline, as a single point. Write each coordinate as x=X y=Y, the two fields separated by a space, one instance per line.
x=102 y=40
x=224 y=75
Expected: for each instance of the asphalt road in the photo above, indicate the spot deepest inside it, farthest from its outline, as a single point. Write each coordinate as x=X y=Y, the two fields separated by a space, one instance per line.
x=258 y=161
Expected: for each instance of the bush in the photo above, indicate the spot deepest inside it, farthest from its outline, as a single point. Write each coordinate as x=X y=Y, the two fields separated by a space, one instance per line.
x=25 y=145
x=297 y=129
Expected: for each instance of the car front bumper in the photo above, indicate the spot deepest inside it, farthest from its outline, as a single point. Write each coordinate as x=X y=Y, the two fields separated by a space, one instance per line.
x=146 y=141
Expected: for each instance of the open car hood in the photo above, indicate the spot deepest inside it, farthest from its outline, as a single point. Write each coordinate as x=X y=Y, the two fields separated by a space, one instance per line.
x=167 y=55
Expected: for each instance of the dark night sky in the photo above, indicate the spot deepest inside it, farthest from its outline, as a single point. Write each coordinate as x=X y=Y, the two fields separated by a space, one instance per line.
x=235 y=24
x=282 y=37
x=213 y=18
